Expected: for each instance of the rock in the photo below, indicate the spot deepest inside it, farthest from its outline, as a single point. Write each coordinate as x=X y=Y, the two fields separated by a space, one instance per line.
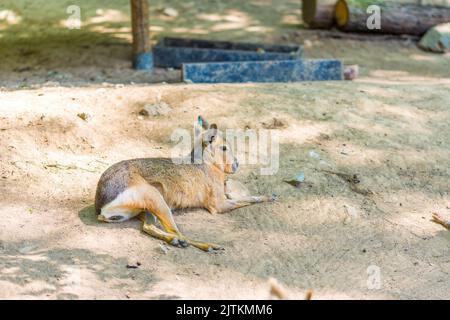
x=298 y=181
x=351 y=211
x=27 y=249
x=274 y=124
x=313 y=154
x=133 y=266
x=51 y=84
x=436 y=39
x=170 y=12
x=351 y=72
x=164 y=248
x=158 y=109
x=307 y=44
x=84 y=116
x=52 y=73
x=144 y=113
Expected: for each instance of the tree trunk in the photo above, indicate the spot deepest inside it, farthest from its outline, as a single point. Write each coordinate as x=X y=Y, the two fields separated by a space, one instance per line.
x=318 y=13
x=395 y=18
x=141 y=38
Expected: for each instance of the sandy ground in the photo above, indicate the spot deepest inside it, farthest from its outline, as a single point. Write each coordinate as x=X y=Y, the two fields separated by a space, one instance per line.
x=390 y=128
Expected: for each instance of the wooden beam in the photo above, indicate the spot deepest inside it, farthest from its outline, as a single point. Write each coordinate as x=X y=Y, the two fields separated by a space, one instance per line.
x=142 y=55
x=173 y=52
x=263 y=71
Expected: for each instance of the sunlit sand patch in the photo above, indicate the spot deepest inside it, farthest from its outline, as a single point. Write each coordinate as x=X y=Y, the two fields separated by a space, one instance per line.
x=228 y=26
x=412 y=115
x=258 y=29
x=9 y=17
x=421 y=57
x=236 y=16
x=233 y=19
x=231 y=281
x=261 y=3
x=38 y=286
x=386 y=126
x=124 y=36
x=402 y=113
x=108 y=15
x=154 y=28
x=290 y=19
x=388 y=76
x=301 y=133
x=210 y=17
x=190 y=31
x=104 y=29
x=355 y=155
x=422 y=81
x=415 y=211
x=389 y=73
x=383 y=92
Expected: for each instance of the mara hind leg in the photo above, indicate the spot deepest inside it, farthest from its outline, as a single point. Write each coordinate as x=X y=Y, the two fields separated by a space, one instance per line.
x=135 y=199
x=152 y=201
x=179 y=240
x=118 y=210
x=149 y=227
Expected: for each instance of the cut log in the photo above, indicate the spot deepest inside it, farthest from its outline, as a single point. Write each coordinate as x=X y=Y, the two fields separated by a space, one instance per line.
x=318 y=14
x=395 y=18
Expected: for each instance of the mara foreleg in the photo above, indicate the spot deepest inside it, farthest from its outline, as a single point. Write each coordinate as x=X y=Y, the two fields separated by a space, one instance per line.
x=239 y=202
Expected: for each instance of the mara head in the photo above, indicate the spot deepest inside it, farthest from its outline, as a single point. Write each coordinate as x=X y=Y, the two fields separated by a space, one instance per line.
x=215 y=149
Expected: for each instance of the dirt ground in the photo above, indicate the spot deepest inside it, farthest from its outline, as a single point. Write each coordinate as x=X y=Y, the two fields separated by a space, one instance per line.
x=390 y=127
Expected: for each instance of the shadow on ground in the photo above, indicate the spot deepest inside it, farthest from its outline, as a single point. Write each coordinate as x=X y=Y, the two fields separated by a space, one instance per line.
x=61 y=273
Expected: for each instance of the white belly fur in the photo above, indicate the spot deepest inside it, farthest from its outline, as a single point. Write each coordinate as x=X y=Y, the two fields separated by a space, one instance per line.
x=128 y=204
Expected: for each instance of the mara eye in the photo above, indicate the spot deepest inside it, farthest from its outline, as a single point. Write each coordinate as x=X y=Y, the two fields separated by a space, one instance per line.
x=224 y=148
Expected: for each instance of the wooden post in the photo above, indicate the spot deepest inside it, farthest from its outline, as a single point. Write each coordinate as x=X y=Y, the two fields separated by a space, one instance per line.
x=142 y=55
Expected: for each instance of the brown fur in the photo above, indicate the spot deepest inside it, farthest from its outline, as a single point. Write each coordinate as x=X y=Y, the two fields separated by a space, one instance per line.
x=158 y=185
x=174 y=181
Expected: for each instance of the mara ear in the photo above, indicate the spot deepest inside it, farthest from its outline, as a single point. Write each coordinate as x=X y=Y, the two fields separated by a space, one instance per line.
x=202 y=122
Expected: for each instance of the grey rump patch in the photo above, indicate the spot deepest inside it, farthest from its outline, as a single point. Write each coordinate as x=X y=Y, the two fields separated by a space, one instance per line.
x=113 y=181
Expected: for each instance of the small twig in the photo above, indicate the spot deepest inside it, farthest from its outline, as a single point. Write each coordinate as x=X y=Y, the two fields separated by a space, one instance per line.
x=65 y=167
x=276 y=290
x=353 y=182
x=440 y=220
